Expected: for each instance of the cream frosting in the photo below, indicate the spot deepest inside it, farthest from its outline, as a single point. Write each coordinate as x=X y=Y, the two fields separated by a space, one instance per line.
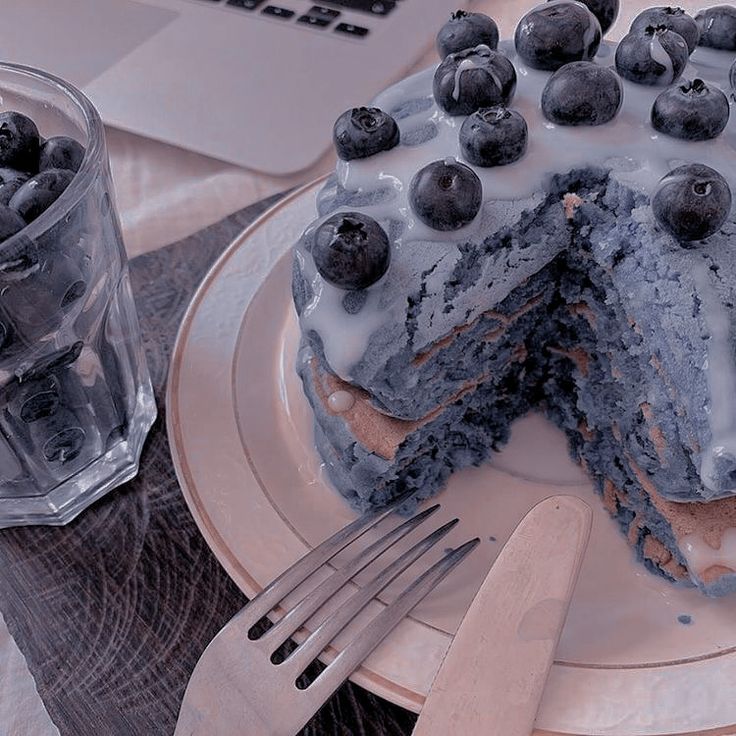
x=629 y=146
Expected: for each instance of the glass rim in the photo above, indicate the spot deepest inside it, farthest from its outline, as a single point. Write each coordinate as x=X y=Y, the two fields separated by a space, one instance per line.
x=88 y=169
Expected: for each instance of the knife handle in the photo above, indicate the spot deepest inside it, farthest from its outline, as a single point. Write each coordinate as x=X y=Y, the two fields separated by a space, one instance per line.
x=493 y=675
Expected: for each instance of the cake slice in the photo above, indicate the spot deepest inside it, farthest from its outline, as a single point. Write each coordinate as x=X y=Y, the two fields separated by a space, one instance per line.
x=513 y=239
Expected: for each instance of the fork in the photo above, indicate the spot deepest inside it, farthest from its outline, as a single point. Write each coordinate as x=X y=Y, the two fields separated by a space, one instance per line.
x=242 y=685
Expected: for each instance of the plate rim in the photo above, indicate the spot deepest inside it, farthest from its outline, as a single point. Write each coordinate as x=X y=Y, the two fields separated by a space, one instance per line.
x=237 y=571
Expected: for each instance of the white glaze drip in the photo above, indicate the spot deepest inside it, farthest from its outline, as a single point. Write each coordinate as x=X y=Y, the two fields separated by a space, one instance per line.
x=340 y=401
x=589 y=35
x=591 y=28
x=464 y=65
x=470 y=63
x=721 y=375
x=660 y=55
x=635 y=153
x=700 y=555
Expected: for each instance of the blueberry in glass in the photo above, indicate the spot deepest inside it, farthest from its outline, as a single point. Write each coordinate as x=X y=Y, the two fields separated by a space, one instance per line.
x=11 y=180
x=10 y=222
x=76 y=400
x=61 y=152
x=40 y=192
x=19 y=141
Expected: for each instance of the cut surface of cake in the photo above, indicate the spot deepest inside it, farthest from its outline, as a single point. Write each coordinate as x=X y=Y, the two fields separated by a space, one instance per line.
x=519 y=230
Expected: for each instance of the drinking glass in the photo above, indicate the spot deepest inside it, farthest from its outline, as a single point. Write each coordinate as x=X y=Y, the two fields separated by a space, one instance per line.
x=76 y=400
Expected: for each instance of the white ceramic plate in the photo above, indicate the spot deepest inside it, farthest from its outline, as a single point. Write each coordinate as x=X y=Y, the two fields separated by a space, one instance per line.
x=241 y=438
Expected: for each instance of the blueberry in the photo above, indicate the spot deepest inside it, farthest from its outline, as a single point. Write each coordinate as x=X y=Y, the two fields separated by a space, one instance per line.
x=582 y=93
x=718 y=27
x=605 y=10
x=75 y=292
x=446 y=195
x=468 y=80
x=552 y=35
x=692 y=111
x=351 y=250
x=465 y=31
x=53 y=362
x=493 y=136
x=692 y=202
x=39 y=192
x=10 y=182
x=19 y=259
x=653 y=55
x=19 y=142
x=61 y=152
x=64 y=446
x=363 y=132
x=40 y=405
x=676 y=19
x=732 y=77
x=10 y=222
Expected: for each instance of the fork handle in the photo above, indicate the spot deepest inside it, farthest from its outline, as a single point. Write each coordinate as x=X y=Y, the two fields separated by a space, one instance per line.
x=493 y=675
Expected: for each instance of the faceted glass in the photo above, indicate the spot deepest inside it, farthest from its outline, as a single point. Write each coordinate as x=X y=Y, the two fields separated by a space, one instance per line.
x=76 y=400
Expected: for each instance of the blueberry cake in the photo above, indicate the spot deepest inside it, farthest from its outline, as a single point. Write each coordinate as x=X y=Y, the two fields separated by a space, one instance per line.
x=540 y=224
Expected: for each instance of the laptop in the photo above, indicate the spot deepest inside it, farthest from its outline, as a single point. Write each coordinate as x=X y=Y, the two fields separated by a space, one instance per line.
x=257 y=83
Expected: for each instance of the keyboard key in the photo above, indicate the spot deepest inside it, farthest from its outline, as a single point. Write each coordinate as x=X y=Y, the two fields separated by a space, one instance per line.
x=376 y=7
x=245 y=4
x=277 y=12
x=351 y=30
x=314 y=21
x=321 y=11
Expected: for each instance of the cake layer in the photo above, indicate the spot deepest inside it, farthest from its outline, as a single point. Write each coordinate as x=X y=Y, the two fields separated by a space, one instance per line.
x=606 y=250
x=371 y=458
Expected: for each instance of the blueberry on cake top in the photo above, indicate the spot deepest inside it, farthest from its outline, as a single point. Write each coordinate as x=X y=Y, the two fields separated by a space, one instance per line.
x=553 y=230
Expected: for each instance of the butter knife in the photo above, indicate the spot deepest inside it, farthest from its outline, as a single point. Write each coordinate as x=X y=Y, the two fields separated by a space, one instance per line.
x=492 y=678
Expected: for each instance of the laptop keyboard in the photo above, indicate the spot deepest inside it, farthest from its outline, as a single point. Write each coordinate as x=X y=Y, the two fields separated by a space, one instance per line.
x=319 y=17
x=376 y=7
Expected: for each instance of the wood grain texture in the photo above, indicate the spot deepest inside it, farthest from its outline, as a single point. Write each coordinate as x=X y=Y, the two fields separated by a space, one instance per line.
x=113 y=610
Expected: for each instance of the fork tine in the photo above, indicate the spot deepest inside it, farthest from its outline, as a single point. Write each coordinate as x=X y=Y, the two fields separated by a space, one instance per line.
x=355 y=653
x=296 y=617
x=270 y=596
x=303 y=655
